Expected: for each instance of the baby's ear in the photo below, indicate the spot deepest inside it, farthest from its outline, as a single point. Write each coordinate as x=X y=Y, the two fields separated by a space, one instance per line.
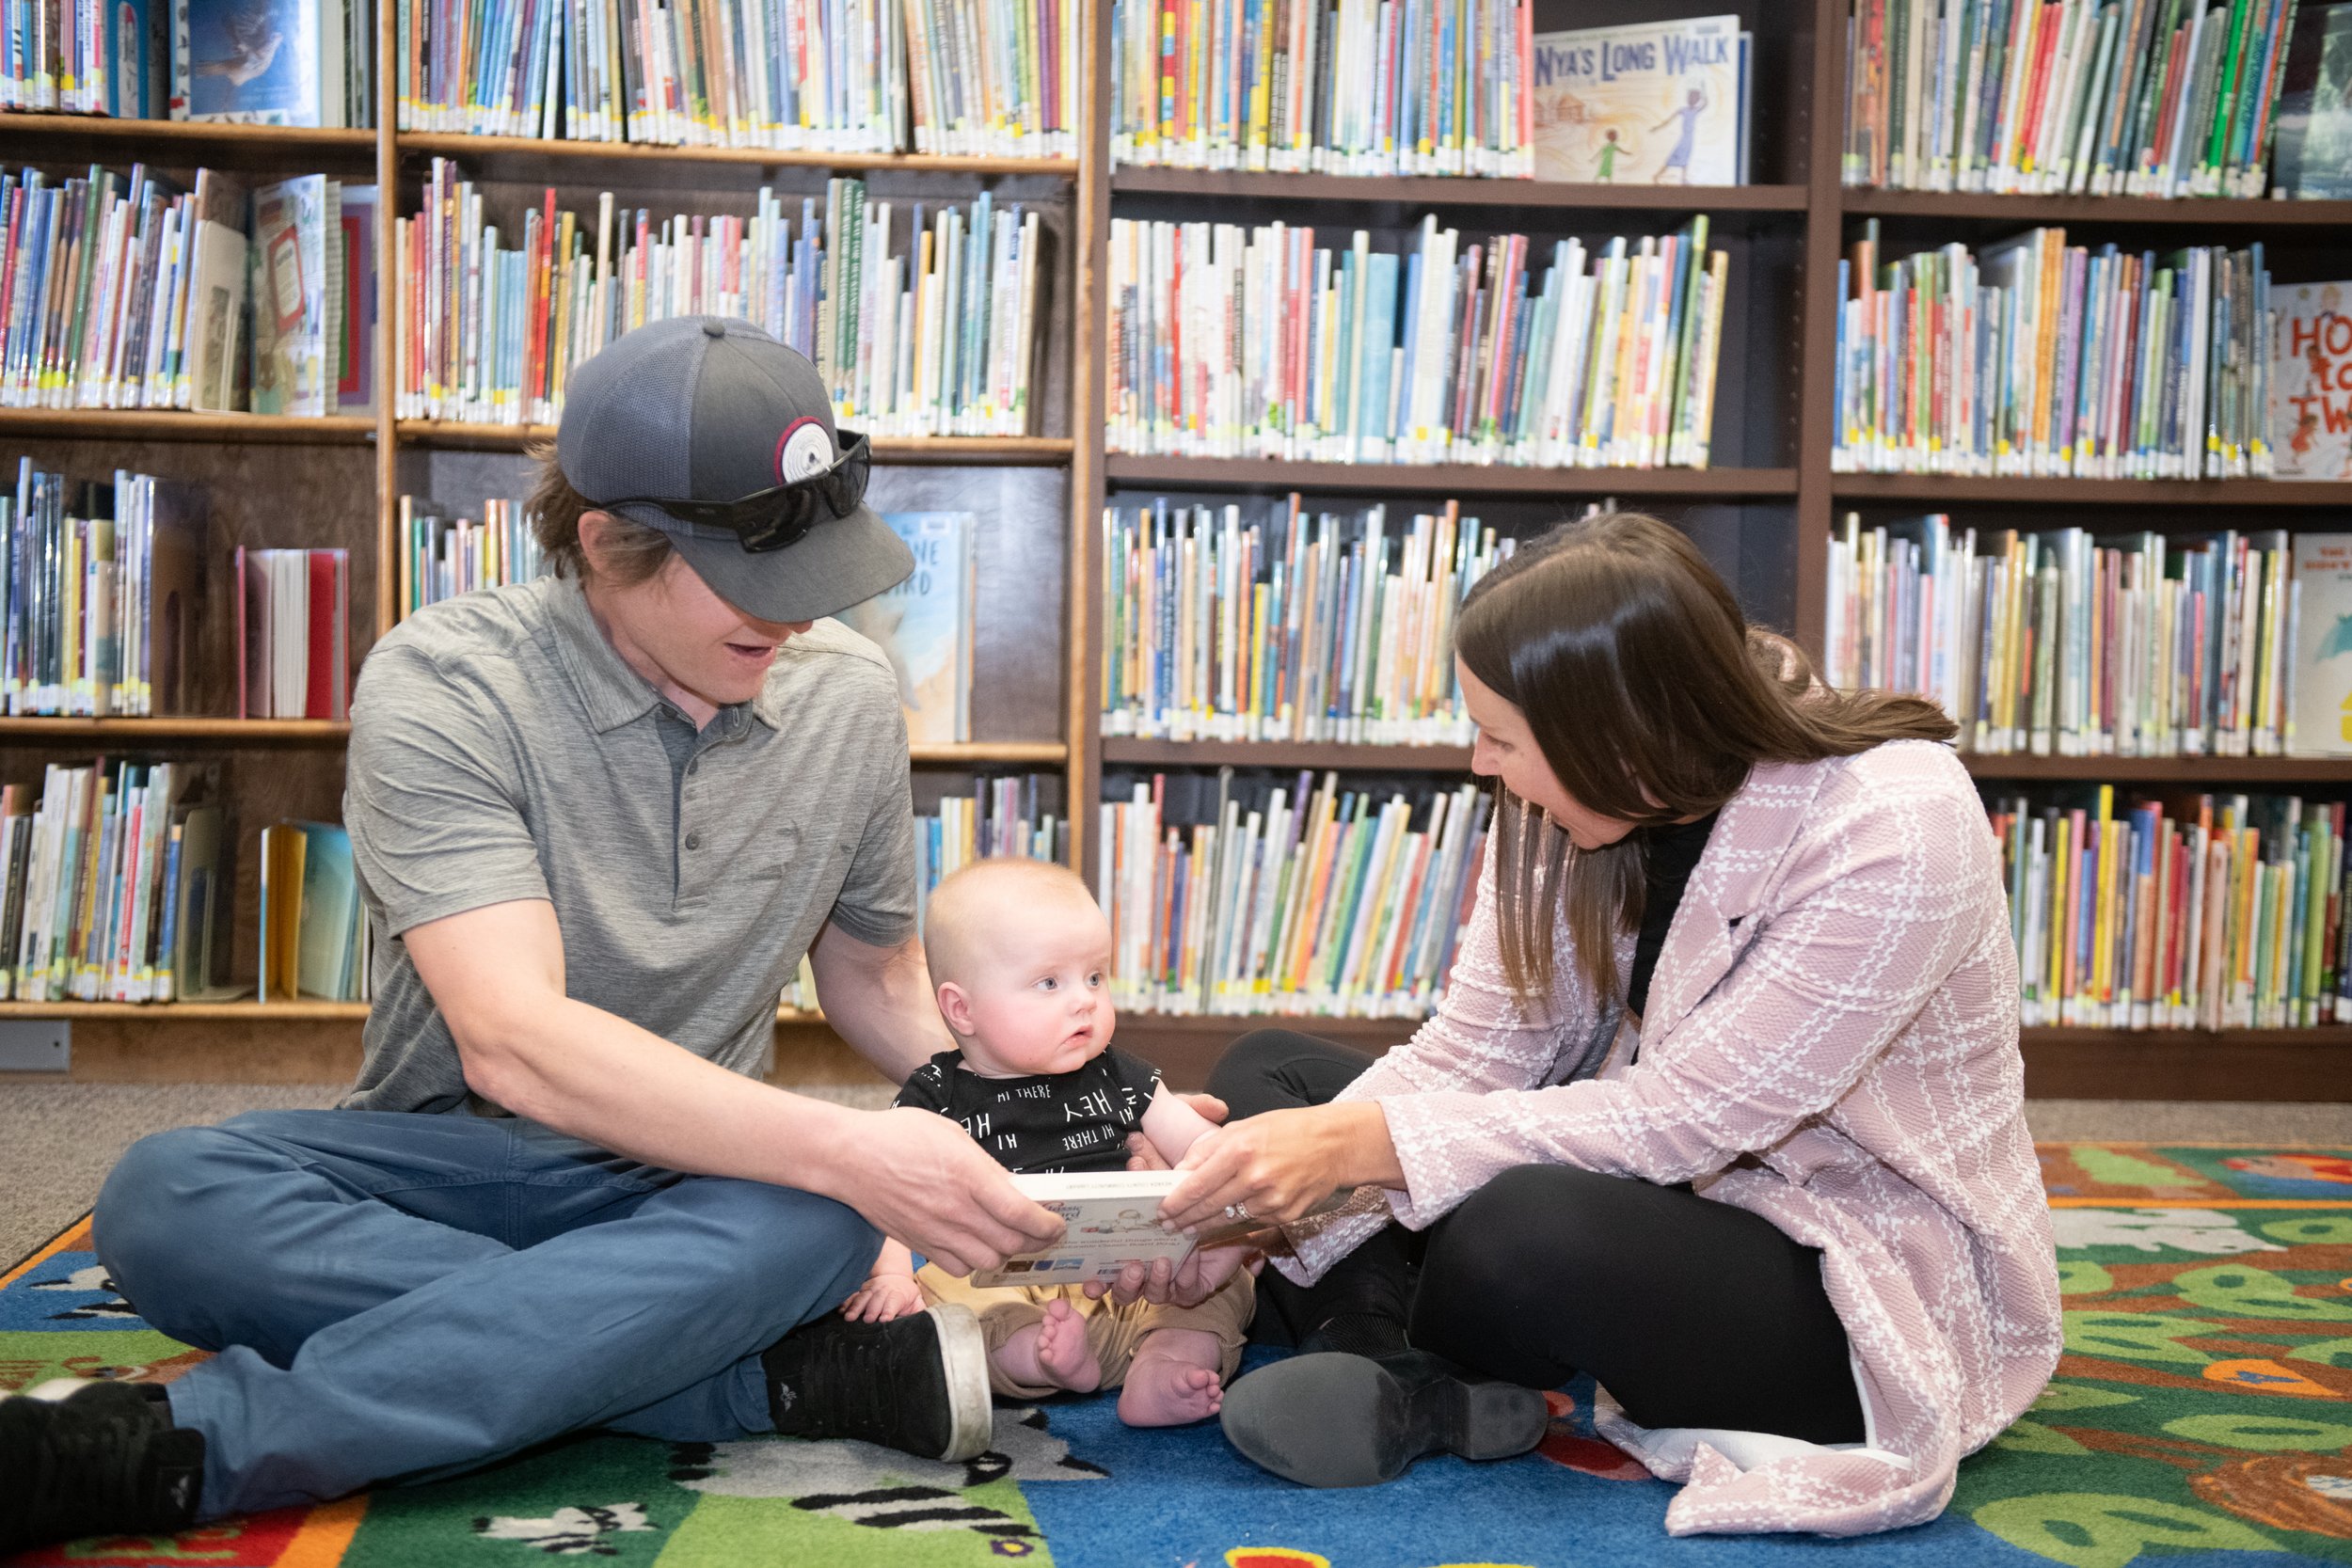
x=956 y=1007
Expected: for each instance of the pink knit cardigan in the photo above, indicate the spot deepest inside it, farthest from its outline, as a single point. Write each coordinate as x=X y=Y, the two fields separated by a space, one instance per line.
x=1831 y=1043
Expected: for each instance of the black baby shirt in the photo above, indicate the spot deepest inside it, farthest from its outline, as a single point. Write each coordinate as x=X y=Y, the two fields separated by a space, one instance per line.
x=1046 y=1123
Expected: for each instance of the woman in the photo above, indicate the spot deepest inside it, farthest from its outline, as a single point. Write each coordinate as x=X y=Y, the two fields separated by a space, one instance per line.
x=1724 y=1104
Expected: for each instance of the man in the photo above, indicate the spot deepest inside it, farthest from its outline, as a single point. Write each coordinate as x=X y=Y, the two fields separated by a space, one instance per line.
x=598 y=820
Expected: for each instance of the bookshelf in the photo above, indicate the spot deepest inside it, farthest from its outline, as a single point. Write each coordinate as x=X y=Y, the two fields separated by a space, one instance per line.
x=1763 y=513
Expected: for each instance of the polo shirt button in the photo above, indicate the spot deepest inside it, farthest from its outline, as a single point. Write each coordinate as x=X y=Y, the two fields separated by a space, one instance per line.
x=694 y=841
x=693 y=765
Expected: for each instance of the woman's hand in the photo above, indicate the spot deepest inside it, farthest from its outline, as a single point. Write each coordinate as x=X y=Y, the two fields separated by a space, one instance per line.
x=1277 y=1165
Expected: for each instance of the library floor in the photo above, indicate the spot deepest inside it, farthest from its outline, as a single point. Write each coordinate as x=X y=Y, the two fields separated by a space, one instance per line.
x=57 y=1141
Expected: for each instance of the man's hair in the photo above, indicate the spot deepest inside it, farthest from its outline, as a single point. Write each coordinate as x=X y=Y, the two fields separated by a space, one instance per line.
x=633 y=553
x=969 y=904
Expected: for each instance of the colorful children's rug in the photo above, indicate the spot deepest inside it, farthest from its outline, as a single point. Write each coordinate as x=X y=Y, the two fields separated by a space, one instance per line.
x=2201 y=1419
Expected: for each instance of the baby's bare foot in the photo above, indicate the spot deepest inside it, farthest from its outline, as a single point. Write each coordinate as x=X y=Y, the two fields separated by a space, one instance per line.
x=1062 y=1353
x=1164 y=1391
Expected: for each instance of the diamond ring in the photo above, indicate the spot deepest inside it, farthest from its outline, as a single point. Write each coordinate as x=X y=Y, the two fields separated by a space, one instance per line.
x=1236 y=1212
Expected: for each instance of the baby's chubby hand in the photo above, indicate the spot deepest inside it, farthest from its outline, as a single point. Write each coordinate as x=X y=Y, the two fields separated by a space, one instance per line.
x=882 y=1297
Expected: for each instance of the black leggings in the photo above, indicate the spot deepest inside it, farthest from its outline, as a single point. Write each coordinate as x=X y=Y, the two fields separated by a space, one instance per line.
x=1689 y=1313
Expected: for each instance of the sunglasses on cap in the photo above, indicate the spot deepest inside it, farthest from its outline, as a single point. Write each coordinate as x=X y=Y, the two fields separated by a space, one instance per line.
x=773 y=518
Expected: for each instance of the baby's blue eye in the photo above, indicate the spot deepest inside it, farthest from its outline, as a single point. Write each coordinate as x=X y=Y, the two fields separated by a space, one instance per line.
x=1049 y=983
x=1095 y=980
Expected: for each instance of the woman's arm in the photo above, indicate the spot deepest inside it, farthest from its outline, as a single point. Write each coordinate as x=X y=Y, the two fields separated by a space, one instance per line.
x=1895 y=889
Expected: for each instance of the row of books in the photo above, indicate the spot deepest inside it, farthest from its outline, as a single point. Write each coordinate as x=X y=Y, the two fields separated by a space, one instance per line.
x=1375 y=87
x=2038 y=357
x=1285 y=625
x=114 y=883
x=992 y=77
x=2065 y=643
x=102 y=591
x=264 y=62
x=1243 y=896
x=2203 y=913
x=1228 y=341
x=292 y=619
x=924 y=320
x=315 y=933
x=2155 y=98
x=123 y=291
x=1005 y=816
x=443 y=554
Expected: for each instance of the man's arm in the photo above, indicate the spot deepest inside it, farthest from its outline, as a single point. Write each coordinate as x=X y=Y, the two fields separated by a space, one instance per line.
x=496 y=975
x=879 y=1000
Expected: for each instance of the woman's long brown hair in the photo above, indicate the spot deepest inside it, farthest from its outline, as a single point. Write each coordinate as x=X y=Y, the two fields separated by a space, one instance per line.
x=1651 y=697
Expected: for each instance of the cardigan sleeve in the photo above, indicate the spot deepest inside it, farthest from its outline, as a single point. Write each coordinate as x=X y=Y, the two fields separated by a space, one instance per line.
x=1482 y=1040
x=1867 y=928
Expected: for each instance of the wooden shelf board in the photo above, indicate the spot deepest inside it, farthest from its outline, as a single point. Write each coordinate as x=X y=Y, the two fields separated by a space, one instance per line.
x=165 y=424
x=1022 y=451
x=37 y=136
x=305 y=1011
x=2182 y=770
x=1252 y=473
x=1131 y=751
x=439 y=144
x=949 y=754
x=1947 y=488
x=1432 y=191
x=312 y=732
x=2332 y=1037
x=2028 y=210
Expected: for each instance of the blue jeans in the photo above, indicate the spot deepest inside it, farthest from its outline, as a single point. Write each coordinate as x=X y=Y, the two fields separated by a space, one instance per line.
x=399 y=1297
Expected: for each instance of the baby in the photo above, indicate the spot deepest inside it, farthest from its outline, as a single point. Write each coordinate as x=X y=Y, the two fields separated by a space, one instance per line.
x=1019 y=952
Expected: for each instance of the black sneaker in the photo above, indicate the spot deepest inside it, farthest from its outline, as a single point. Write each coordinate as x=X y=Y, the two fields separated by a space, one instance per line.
x=1352 y=1420
x=81 y=1458
x=918 y=1384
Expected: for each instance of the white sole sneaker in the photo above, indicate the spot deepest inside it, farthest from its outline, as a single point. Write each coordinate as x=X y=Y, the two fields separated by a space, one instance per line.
x=963 y=1360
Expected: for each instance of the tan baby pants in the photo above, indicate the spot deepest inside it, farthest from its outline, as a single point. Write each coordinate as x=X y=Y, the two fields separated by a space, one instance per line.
x=1113 y=1332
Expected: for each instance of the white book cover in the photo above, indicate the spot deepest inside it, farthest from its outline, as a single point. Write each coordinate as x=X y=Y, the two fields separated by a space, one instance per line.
x=2322 y=656
x=2310 y=381
x=1113 y=1219
x=1650 y=103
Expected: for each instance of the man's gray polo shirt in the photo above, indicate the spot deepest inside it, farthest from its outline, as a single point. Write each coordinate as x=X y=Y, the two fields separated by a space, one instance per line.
x=501 y=748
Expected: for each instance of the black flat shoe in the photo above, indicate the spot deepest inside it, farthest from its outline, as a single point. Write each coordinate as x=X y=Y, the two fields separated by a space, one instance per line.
x=1355 y=1420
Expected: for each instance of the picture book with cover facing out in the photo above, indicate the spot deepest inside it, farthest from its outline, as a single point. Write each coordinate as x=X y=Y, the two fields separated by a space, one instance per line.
x=1113 y=1219
x=925 y=625
x=1654 y=102
x=2310 y=381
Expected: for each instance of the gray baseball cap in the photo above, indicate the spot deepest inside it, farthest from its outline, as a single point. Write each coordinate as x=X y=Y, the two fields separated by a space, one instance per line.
x=708 y=409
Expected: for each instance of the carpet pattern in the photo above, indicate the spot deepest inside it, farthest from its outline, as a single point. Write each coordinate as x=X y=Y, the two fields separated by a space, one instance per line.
x=2202 y=1417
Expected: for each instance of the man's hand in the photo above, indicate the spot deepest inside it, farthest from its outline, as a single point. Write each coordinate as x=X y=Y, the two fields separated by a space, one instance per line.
x=882 y=1297
x=917 y=1176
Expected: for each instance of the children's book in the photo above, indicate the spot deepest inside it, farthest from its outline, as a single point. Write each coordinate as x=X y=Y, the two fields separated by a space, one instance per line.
x=2310 y=381
x=252 y=62
x=1654 y=102
x=1114 y=1220
x=2313 y=139
x=292 y=371
x=2322 y=677
x=925 y=625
